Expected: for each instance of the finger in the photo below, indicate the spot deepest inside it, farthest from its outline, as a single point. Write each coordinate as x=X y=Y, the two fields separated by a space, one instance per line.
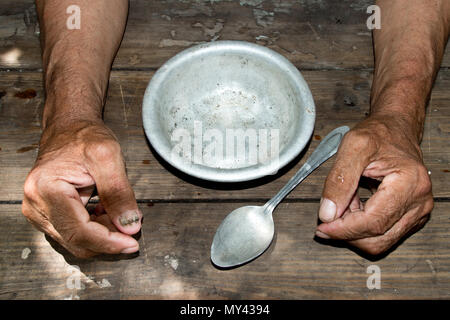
x=35 y=214
x=108 y=170
x=106 y=221
x=342 y=181
x=408 y=224
x=355 y=203
x=100 y=238
x=381 y=212
x=76 y=228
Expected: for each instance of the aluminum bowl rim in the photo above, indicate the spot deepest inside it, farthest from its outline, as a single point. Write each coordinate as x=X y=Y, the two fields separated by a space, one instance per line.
x=228 y=175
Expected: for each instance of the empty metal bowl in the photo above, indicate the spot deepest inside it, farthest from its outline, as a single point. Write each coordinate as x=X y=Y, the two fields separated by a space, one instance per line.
x=228 y=111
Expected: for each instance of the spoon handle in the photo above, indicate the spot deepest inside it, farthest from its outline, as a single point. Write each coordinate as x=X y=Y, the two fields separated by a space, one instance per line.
x=326 y=149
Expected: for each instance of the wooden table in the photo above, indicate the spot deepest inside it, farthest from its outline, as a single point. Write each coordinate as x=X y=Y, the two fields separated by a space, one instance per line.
x=331 y=45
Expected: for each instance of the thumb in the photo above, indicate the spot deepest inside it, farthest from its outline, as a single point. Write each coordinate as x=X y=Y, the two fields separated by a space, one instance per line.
x=342 y=181
x=114 y=190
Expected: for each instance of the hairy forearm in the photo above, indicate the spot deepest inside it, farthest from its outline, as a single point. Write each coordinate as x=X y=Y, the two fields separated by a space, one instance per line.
x=408 y=51
x=77 y=62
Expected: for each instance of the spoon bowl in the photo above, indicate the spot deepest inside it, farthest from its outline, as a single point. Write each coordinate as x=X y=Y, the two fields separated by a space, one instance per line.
x=243 y=235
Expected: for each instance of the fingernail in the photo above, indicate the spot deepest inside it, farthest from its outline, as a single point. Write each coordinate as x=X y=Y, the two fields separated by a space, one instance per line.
x=322 y=235
x=327 y=211
x=129 y=219
x=130 y=250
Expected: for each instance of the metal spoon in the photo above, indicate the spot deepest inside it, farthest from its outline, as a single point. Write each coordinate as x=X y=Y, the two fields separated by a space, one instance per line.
x=248 y=231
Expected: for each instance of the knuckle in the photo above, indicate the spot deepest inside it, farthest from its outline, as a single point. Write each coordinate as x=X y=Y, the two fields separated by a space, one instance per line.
x=423 y=184
x=38 y=184
x=358 y=138
x=428 y=207
x=26 y=210
x=105 y=150
x=30 y=188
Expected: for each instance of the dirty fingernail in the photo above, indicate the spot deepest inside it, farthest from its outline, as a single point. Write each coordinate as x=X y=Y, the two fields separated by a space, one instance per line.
x=322 y=235
x=327 y=211
x=129 y=219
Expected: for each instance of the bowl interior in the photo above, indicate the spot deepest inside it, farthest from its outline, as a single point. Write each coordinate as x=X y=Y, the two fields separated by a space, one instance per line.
x=228 y=107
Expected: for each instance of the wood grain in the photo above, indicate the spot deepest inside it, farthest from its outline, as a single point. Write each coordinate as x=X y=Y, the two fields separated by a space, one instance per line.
x=330 y=43
x=174 y=261
x=154 y=179
x=312 y=34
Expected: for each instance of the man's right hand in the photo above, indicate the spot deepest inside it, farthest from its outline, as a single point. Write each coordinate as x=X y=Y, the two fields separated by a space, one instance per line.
x=74 y=159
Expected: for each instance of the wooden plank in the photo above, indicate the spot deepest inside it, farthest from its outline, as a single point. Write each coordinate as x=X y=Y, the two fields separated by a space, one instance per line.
x=153 y=179
x=312 y=34
x=174 y=261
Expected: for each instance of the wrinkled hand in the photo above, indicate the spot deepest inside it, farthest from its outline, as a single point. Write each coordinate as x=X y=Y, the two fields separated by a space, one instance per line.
x=72 y=161
x=382 y=149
